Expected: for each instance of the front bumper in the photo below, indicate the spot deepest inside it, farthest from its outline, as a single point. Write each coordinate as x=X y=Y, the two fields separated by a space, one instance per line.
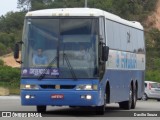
x=71 y=98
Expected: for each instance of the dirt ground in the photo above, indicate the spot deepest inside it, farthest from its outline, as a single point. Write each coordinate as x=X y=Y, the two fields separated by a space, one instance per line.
x=9 y=60
x=154 y=19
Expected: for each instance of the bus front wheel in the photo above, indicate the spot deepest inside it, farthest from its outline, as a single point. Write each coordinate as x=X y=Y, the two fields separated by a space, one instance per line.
x=41 y=109
x=100 y=110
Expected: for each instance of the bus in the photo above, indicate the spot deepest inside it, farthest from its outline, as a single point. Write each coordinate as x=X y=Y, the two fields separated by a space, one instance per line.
x=83 y=57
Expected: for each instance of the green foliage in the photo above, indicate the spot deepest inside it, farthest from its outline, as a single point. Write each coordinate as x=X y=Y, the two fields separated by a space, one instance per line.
x=14 y=91
x=128 y=9
x=11 y=21
x=149 y=5
x=10 y=31
x=37 y=4
x=2 y=49
x=153 y=75
x=153 y=49
x=10 y=78
x=153 y=55
x=1 y=62
x=9 y=74
x=155 y=35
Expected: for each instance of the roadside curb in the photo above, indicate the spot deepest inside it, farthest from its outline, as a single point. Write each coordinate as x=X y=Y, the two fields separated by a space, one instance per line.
x=9 y=97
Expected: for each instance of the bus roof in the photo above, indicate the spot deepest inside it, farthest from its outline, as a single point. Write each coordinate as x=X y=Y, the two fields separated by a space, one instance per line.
x=84 y=12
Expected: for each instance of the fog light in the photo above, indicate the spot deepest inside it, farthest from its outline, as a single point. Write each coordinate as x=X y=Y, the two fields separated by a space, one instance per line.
x=82 y=96
x=88 y=97
x=27 y=96
x=32 y=97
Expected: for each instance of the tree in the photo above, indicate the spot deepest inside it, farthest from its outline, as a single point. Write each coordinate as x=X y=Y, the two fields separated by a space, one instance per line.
x=24 y=4
x=2 y=49
x=27 y=5
x=11 y=21
x=10 y=30
x=1 y=62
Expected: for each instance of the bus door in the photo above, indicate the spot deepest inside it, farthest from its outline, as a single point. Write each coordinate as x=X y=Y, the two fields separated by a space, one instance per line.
x=102 y=44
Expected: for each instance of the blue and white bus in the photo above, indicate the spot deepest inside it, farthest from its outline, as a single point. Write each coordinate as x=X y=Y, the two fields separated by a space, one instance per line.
x=92 y=58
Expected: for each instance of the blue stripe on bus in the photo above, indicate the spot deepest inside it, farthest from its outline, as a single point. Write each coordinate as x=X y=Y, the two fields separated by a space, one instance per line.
x=119 y=89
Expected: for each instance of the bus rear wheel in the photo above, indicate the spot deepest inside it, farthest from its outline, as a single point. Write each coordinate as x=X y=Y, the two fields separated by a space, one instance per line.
x=127 y=104
x=134 y=98
x=41 y=109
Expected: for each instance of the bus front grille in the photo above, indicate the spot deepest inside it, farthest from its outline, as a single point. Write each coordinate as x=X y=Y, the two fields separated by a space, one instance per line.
x=57 y=86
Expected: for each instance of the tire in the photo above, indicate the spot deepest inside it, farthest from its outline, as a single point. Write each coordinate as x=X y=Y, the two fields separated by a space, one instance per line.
x=158 y=100
x=127 y=104
x=100 y=110
x=41 y=109
x=72 y=106
x=145 y=97
x=134 y=98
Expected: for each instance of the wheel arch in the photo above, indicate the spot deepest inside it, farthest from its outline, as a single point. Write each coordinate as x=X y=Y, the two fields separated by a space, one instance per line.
x=136 y=87
x=107 y=90
x=132 y=84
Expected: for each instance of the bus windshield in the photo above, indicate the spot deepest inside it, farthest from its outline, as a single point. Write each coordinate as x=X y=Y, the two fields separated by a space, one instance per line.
x=62 y=45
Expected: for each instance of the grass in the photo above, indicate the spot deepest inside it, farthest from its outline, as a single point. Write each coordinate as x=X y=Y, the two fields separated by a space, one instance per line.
x=14 y=89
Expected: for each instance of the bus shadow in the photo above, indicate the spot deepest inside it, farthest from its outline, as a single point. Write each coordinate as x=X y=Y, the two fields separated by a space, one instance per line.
x=80 y=112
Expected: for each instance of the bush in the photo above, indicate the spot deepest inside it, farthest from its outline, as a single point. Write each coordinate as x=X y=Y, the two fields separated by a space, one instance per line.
x=153 y=75
x=1 y=62
x=9 y=77
x=2 y=49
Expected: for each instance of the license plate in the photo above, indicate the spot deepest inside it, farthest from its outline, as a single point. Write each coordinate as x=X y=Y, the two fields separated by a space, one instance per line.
x=57 y=96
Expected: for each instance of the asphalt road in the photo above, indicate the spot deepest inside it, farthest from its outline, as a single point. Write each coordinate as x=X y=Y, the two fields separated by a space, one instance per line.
x=112 y=110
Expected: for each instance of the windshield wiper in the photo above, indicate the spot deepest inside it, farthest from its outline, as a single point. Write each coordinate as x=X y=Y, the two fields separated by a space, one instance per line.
x=44 y=72
x=69 y=65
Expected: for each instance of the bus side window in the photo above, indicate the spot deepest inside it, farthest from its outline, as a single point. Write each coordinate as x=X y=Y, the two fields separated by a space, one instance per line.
x=102 y=29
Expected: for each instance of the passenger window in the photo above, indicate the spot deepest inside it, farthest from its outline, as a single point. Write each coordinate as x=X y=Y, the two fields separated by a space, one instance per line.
x=117 y=39
x=109 y=31
x=140 y=42
x=134 y=40
x=129 y=39
x=123 y=36
x=102 y=29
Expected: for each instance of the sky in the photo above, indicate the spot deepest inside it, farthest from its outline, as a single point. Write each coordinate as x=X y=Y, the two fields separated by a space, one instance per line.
x=8 y=5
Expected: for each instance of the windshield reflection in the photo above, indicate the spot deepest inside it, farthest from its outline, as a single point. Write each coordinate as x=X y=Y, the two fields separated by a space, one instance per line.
x=48 y=38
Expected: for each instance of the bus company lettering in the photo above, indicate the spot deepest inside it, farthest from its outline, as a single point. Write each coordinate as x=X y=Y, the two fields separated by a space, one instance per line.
x=38 y=71
x=126 y=60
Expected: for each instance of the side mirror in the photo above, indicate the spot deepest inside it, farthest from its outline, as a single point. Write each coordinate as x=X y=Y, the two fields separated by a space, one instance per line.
x=105 y=53
x=16 y=51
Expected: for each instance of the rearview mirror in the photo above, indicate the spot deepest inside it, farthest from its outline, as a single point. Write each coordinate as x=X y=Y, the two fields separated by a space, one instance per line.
x=16 y=51
x=105 y=53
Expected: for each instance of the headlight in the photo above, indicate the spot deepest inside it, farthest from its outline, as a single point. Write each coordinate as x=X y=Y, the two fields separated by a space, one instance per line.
x=29 y=87
x=87 y=87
